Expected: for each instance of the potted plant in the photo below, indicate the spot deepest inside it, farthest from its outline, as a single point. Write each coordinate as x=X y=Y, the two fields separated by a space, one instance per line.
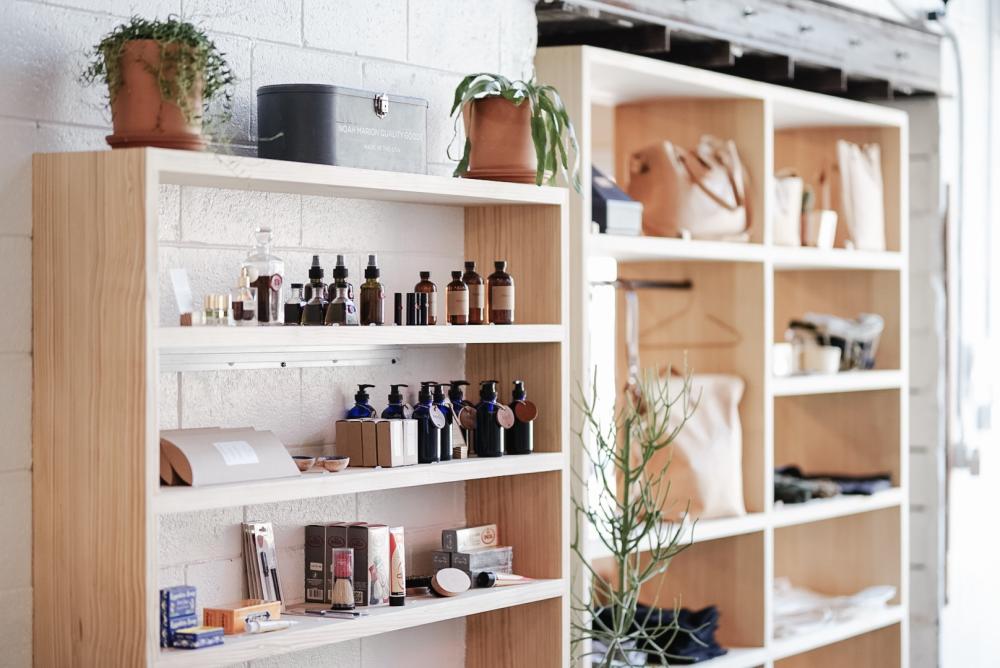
x=161 y=75
x=515 y=131
x=620 y=509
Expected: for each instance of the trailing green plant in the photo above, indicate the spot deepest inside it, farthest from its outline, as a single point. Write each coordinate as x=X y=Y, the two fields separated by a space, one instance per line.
x=621 y=508
x=188 y=59
x=551 y=129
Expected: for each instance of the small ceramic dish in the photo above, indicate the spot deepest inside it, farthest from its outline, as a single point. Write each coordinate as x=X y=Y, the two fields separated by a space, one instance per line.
x=304 y=462
x=334 y=463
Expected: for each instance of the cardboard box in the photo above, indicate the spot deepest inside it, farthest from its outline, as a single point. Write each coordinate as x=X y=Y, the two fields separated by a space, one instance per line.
x=371 y=563
x=169 y=628
x=469 y=538
x=349 y=442
x=213 y=456
x=391 y=448
x=320 y=540
x=483 y=559
x=232 y=616
x=410 y=442
x=440 y=559
x=177 y=601
x=369 y=443
x=197 y=637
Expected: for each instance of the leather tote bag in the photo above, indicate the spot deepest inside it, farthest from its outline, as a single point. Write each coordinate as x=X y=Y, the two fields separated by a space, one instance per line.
x=861 y=193
x=700 y=193
x=706 y=457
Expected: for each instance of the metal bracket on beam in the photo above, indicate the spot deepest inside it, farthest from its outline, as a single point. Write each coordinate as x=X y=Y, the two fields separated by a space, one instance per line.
x=765 y=67
x=821 y=80
x=709 y=54
x=642 y=39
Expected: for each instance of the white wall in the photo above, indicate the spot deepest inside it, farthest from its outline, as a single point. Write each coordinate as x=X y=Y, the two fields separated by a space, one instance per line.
x=408 y=47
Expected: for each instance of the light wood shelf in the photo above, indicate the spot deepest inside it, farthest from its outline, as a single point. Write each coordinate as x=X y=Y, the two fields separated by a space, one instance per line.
x=862 y=623
x=352 y=481
x=853 y=422
x=309 y=632
x=835 y=383
x=96 y=402
x=818 y=510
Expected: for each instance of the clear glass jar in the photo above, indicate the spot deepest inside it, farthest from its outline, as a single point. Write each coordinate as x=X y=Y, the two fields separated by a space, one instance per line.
x=267 y=274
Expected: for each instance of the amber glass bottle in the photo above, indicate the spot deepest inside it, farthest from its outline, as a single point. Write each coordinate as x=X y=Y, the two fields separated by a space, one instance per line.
x=500 y=295
x=372 y=295
x=427 y=286
x=458 y=300
x=477 y=294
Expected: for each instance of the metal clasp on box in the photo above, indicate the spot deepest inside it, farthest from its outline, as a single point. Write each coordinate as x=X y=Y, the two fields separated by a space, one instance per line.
x=381 y=105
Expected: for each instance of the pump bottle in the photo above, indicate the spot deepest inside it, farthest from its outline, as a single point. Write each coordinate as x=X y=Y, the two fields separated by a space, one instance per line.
x=489 y=430
x=520 y=436
x=361 y=409
x=458 y=401
x=449 y=419
x=396 y=410
x=430 y=422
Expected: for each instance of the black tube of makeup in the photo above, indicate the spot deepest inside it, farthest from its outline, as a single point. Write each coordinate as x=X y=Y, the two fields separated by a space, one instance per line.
x=422 y=302
x=398 y=307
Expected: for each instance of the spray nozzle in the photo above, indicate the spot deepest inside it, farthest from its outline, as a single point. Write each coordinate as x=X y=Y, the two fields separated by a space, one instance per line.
x=371 y=271
x=315 y=271
x=340 y=271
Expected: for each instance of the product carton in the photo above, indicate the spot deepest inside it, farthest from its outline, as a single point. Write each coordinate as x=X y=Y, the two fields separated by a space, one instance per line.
x=371 y=563
x=369 y=443
x=469 y=538
x=483 y=559
x=350 y=443
x=320 y=541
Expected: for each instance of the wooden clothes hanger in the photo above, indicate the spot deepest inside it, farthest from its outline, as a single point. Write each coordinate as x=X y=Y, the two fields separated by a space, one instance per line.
x=658 y=332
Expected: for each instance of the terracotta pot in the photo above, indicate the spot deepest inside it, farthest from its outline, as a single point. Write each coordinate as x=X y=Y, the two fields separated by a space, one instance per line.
x=141 y=117
x=500 y=132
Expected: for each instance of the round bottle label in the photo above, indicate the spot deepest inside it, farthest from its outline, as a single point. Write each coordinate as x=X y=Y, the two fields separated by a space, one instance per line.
x=505 y=416
x=467 y=417
x=437 y=417
x=524 y=411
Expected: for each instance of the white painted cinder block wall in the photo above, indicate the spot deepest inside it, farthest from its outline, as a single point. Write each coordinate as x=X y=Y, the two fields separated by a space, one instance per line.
x=407 y=47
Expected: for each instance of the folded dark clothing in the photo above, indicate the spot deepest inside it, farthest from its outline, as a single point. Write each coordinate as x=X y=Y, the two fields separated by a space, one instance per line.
x=848 y=484
x=691 y=641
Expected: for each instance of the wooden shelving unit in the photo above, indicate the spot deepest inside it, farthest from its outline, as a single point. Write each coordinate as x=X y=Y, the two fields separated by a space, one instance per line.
x=851 y=422
x=99 y=351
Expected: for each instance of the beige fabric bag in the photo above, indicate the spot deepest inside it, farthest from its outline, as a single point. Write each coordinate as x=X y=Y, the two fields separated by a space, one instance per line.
x=788 y=188
x=861 y=194
x=700 y=193
x=706 y=458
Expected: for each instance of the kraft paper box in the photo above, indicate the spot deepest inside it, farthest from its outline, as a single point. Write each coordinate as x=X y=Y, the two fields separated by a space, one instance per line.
x=232 y=617
x=469 y=538
x=371 y=563
x=410 y=441
x=392 y=442
x=214 y=456
x=369 y=443
x=349 y=442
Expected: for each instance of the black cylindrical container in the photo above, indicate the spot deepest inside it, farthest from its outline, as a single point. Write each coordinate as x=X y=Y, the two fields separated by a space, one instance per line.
x=430 y=422
x=397 y=304
x=411 y=309
x=520 y=436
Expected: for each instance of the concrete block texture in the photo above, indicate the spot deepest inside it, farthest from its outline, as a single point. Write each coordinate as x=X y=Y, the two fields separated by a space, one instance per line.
x=15 y=527
x=15 y=412
x=15 y=627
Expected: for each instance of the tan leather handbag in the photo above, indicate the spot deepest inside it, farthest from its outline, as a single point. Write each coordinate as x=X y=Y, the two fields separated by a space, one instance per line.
x=700 y=193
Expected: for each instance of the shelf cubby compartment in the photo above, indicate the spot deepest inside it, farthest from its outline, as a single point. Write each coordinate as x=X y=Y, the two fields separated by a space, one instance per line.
x=714 y=327
x=852 y=433
x=807 y=554
x=846 y=294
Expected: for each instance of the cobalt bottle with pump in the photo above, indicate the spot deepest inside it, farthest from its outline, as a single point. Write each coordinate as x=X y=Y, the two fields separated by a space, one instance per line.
x=449 y=419
x=489 y=431
x=520 y=436
x=458 y=401
x=430 y=421
x=361 y=409
x=396 y=410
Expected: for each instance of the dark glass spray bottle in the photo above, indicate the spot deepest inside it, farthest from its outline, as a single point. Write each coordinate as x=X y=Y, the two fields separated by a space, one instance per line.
x=315 y=283
x=500 y=295
x=477 y=294
x=449 y=419
x=361 y=409
x=430 y=422
x=458 y=401
x=314 y=311
x=520 y=436
x=489 y=429
x=340 y=280
x=396 y=410
x=426 y=286
x=372 y=295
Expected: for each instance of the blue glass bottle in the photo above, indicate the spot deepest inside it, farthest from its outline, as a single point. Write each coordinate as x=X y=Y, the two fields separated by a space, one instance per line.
x=430 y=421
x=458 y=401
x=449 y=419
x=396 y=410
x=361 y=409
x=489 y=433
